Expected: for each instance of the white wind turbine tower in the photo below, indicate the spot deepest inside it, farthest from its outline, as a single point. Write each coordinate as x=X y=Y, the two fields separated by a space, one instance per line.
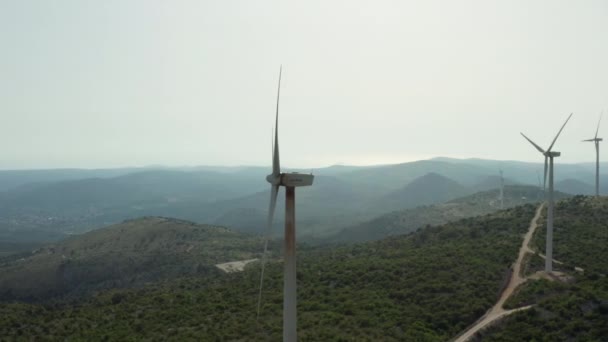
x=549 y=155
x=290 y=181
x=597 y=140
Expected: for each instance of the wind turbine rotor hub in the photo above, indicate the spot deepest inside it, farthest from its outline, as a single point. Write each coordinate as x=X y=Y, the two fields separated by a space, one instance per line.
x=553 y=154
x=274 y=179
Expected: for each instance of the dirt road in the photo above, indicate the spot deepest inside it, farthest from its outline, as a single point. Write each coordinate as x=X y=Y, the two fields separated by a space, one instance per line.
x=497 y=311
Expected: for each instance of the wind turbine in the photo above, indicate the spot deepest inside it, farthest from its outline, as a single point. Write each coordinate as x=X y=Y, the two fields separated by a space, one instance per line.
x=290 y=181
x=549 y=155
x=597 y=140
x=502 y=191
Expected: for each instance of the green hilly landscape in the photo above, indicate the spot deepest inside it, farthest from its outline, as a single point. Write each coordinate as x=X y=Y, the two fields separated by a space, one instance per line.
x=377 y=260
x=428 y=285
x=303 y=171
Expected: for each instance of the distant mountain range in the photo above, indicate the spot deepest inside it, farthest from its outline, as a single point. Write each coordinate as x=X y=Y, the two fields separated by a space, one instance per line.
x=45 y=205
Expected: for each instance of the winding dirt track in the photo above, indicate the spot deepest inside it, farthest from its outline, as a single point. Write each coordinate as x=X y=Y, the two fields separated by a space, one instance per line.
x=497 y=311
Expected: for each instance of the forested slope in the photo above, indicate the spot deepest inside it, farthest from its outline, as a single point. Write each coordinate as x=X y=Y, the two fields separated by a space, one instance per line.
x=426 y=286
x=576 y=308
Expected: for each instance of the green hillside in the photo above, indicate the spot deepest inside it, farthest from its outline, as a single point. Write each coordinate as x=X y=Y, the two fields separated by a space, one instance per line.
x=425 y=286
x=128 y=254
x=575 y=310
x=580 y=236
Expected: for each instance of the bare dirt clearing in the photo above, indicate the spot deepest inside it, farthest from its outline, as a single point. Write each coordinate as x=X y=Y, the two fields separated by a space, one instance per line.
x=234 y=266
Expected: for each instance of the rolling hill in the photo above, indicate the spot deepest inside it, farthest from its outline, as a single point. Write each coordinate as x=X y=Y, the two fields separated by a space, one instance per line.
x=127 y=254
x=408 y=220
x=428 y=189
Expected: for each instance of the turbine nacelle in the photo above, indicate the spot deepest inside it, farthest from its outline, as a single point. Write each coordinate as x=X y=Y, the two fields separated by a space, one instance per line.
x=296 y=179
x=548 y=153
x=293 y=179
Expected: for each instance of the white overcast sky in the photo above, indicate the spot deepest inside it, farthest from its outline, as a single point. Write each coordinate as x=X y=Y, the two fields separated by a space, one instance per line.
x=131 y=83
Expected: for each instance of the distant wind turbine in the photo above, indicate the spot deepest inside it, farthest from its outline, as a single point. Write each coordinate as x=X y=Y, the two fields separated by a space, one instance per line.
x=597 y=140
x=290 y=181
x=549 y=155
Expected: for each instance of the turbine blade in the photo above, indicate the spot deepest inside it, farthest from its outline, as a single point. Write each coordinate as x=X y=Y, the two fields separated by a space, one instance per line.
x=276 y=162
x=274 y=191
x=545 y=177
x=558 y=133
x=598 y=124
x=588 y=140
x=533 y=143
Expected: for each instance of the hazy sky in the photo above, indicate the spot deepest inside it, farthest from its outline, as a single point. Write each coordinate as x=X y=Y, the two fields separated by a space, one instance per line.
x=128 y=83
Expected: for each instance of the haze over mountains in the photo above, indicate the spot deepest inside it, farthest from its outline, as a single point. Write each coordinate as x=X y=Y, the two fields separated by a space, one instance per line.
x=41 y=206
x=409 y=220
